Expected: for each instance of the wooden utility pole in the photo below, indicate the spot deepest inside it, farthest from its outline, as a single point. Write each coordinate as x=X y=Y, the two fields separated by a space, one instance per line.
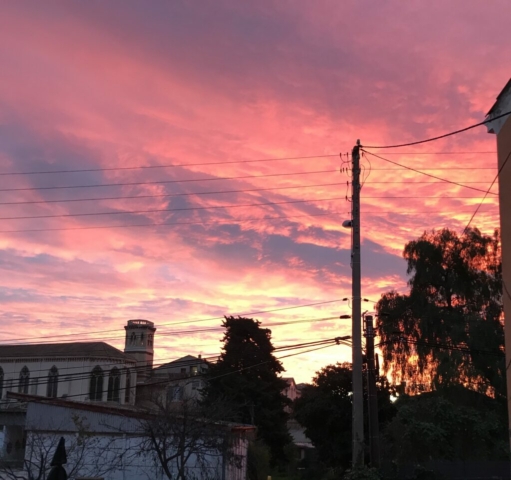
x=372 y=399
x=358 y=398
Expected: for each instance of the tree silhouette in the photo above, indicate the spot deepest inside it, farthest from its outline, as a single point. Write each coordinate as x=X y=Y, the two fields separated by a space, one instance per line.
x=448 y=330
x=247 y=377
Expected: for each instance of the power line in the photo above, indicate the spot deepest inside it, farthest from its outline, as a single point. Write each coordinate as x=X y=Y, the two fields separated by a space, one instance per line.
x=160 y=210
x=205 y=164
x=152 y=225
x=427 y=174
x=177 y=363
x=161 y=182
x=218 y=192
x=328 y=343
x=436 y=168
x=487 y=192
x=445 y=135
x=413 y=212
x=438 y=153
x=245 y=314
x=411 y=182
x=248 y=219
x=172 y=165
x=424 y=196
x=184 y=332
x=165 y=360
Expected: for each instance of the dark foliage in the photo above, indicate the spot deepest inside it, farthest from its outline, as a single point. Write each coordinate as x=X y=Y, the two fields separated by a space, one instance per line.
x=325 y=410
x=247 y=376
x=455 y=424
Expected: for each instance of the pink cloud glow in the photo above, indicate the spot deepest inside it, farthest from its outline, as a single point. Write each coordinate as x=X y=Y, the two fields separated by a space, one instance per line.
x=95 y=85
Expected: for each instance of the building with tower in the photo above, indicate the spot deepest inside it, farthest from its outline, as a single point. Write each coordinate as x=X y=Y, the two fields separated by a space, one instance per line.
x=93 y=373
x=80 y=372
x=49 y=391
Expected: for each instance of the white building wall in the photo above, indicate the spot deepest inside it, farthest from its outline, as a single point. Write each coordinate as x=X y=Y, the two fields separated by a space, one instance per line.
x=73 y=379
x=114 y=441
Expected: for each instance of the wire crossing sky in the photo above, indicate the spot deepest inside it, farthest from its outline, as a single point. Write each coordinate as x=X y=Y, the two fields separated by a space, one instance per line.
x=177 y=163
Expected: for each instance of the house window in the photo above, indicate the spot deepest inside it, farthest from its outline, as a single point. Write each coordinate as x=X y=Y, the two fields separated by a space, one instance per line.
x=24 y=379
x=127 y=390
x=174 y=394
x=141 y=339
x=150 y=339
x=194 y=370
x=96 y=384
x=1 y=382
x=53 y=382
x=114 y=385
x=133 y=338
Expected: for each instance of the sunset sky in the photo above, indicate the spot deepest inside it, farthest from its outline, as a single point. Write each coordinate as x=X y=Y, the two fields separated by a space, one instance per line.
x=217 y=96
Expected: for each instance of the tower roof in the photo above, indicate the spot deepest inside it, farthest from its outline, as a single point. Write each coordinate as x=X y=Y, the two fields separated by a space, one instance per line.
x=140 y=323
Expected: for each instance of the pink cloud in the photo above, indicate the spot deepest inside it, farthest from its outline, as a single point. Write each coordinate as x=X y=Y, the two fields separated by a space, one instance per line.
x=100 y=86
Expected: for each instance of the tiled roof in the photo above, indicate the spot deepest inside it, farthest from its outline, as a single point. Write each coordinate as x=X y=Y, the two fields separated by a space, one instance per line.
x=75 y=349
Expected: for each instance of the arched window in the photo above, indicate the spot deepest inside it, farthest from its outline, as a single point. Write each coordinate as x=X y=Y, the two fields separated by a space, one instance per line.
x=114 y=385
x=127 y=390
x=133 y=338
x=53 y=382
x=141 y=339
x=96 y=384
x=24 y=379
x=1 y=382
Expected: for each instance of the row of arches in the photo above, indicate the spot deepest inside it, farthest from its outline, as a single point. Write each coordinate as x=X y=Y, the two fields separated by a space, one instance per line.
x=24 y=381
x=95 y=386
x=114 y=385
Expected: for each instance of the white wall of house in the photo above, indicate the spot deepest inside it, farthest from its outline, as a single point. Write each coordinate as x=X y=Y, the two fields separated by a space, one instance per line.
x=115 y=441
x=73 y=380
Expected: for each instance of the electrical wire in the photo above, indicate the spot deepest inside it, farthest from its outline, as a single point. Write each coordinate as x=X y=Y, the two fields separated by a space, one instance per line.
x=439 y=153
x=173 y=165
x=171 y=361
x=205 y=164
x=175 y=333
x=328 y=343
x=427 y=174
x=165 y=224
x=437 y=168
x=445 y=135
x=423 y=196
x=246 y=314
x=413 y=182
x=165 y=195
x=162 y=182
x=486 y=194
x=160 y=210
